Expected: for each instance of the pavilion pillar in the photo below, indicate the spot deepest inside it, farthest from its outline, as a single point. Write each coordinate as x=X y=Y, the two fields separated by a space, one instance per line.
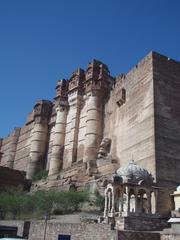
x=106 y=203
x=128 y=200
x=113 y=202
x=156 y=201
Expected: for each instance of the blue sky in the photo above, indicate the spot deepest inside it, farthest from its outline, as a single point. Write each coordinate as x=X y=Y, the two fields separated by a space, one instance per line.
x=42 y=41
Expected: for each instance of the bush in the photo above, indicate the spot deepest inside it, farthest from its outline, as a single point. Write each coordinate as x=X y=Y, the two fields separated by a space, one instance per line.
x=40 y=175
x=45 y=201
x=71 y=201
x=99 y=201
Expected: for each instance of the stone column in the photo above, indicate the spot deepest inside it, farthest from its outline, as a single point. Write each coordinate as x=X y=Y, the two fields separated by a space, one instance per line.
x=136 y=201
x=12 y=147
x=39 y=138
x=94 y=127
x=97 y=86
x=58 y=142
x=156 y=200
x=75 y=101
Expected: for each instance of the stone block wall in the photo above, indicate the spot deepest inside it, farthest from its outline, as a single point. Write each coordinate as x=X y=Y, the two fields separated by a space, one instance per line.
x=16 y=148
x=9 y=148
x=133 y=235
x=10 y=177
x=23 y=148
x=131 y=125
x=77 y=231
x=166 y=75
x=142 y=223
x=83 y=231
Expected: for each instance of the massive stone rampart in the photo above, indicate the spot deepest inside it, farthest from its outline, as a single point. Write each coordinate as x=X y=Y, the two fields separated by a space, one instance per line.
x=97 y=123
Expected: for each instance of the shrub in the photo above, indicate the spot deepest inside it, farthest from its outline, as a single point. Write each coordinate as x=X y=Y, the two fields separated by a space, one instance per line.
x=45 y=201
x=40 y=175
x=71 y=201
x=99 y=201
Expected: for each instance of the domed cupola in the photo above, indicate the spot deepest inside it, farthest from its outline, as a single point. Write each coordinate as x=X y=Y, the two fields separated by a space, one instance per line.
x=133 y=173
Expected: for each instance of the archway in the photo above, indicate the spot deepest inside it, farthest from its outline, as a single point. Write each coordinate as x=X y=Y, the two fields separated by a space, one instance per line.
x=132 y=199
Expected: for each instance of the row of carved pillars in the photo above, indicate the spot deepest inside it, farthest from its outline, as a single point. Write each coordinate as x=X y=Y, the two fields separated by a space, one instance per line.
x=119 y=200
x=93 y=137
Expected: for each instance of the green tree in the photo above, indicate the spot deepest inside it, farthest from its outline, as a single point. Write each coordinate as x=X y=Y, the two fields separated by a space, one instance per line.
x=11 y=202
x=45 y=201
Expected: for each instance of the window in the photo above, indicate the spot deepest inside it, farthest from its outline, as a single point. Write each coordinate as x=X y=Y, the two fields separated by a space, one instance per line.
x=64 y=237
x=121 y=97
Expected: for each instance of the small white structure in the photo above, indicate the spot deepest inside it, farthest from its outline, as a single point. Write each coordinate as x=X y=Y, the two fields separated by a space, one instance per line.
x=176 y=195
x=175 y=219
x=130 y=197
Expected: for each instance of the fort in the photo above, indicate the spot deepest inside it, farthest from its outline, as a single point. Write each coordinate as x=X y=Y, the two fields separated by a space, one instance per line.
x=97 y=123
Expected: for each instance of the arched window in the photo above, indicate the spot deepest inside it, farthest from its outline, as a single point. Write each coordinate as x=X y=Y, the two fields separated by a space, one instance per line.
x=142 y=201
x=132 y=203
x=132 y=200
x=109 y=199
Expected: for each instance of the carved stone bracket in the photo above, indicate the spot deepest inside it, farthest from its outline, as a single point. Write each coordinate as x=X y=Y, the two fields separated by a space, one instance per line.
x=104 y=148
